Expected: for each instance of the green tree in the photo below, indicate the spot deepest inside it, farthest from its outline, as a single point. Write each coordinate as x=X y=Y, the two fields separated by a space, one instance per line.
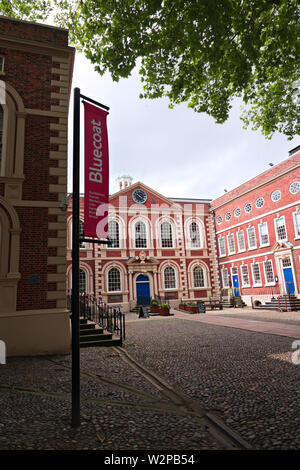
x=202 y=52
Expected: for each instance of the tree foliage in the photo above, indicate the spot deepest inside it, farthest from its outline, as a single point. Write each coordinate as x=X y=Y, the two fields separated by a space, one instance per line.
x=203 y=52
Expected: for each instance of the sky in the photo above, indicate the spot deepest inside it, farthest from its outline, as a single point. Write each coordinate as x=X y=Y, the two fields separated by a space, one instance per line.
x=177 y=152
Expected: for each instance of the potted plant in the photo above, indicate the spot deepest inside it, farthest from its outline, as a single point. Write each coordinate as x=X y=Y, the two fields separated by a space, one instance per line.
x=154 y=306
x=164 y=309
x=182 y=306
x=191 y=307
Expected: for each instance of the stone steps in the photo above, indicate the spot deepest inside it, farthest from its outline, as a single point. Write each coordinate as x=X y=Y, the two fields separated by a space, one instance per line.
x=92 y=335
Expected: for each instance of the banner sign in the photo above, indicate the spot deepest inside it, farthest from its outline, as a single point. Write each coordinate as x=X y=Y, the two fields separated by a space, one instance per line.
x=96 y=178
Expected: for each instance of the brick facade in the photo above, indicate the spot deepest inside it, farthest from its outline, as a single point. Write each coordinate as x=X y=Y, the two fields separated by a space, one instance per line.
x=264 y=211
x=151 y=260
x=35 y=80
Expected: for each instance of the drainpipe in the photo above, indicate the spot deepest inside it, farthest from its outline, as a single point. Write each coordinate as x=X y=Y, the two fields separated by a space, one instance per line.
x=217 y=248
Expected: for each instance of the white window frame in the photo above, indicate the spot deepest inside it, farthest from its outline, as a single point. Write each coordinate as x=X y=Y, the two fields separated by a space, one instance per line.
x=223 y=283
x=276 y=232
x=228 y=244
x=219 y=240
x=200 y=236
x=242 y=276
x=172 y=235
x=262 y=245
x=108 y=271
x=268 y=283
x=119 y=244
x=256 y=284
x=297 y=235
x=203 y=274
x=134 y=234
x=82 y=245
x=237 y=240
x=164 y=279
x=251 y=247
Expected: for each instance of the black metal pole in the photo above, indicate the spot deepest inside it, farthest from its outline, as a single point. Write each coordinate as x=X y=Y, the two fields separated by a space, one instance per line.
x=75 y=265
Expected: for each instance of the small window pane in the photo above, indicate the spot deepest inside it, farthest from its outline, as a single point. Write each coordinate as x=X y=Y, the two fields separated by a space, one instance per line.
x=140 y=235
x=222 y=246
x=256 y=273
x=81 y=234
x=281 y=230
x=113 y=234
x=114 y=280
x=245 y=275
x=82 y=281
x=241 y=240
x=269 y=271
x=195 y=235
x=169 y=277
x=251 y=237
x=297 y=224
x=231 y=244
x=198 y=277
x=166 y=235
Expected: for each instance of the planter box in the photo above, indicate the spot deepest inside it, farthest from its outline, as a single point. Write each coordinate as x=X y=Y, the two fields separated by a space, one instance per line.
x=164 y=312
x=154 y=309
x=191 y=309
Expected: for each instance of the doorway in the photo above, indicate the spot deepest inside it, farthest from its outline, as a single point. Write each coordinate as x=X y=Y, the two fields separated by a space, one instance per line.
x=288 y=276
x=143 y=290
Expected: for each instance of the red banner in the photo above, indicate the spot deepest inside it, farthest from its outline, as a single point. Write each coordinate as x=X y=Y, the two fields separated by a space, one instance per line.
x=96 y=178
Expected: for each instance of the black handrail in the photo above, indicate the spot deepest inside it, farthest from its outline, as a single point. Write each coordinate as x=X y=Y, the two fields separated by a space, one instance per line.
x=108 y=317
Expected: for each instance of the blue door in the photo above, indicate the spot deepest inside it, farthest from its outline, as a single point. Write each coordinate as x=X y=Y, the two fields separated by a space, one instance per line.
x=143 y=290
x=289 y=280
x=236 y=286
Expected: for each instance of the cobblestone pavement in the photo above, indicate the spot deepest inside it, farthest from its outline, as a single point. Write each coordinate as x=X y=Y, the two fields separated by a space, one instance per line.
x=247 y=378
x=292 y=318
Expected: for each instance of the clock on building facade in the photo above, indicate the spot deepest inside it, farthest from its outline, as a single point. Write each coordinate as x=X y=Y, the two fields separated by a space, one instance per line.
x=139 y=196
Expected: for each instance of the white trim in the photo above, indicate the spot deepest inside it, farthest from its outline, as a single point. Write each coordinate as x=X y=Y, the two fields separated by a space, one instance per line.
x=228 y=244
x=276 y=232
x=256 y=284
x=274 y=211
x=263 y=263
x=222 y=255
x=251 y=256
x=297 y=237
x=261 y=245
x=251 y=247
x=222 y=275
x=242 y=278
x=237 y=241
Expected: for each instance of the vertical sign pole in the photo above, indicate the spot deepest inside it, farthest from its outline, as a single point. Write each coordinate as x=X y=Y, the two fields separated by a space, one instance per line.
x=75 y=265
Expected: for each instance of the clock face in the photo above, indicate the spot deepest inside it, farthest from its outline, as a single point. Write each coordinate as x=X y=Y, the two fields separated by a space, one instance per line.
x=139 y=196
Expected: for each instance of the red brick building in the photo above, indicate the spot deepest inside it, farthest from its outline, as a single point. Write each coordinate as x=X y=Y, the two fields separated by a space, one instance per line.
x=258 y=233
x=36 y=66
x=161 y=246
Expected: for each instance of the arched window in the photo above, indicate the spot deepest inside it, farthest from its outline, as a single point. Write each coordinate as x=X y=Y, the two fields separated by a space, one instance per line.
x=198 y=275
x=81 y=233
x=82 y=280
x=166 y=235
x=113 y=234
x=114 y=280
x=195 y=239
x=140 y=235
x=169 y=278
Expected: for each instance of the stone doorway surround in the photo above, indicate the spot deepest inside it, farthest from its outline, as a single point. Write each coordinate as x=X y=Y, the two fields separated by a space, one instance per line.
x=145 y=265
x=283 y=250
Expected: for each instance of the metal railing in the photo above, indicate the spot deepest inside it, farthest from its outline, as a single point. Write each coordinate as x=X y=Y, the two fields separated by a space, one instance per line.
x=108 y=317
